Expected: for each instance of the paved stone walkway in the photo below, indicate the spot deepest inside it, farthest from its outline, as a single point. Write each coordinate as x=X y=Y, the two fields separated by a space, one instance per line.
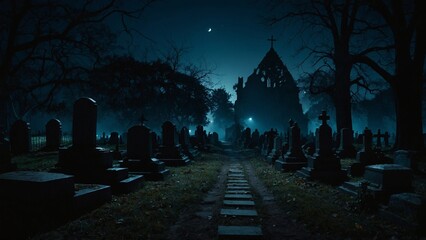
x=238 y=205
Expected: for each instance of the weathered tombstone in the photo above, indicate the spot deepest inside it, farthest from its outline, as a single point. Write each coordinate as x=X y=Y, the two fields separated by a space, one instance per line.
x=407 y=158
x=294 y=159
x=215 y=138
x=324 y=164
x=379 y=137
x=246 y=137
x=6 y=164
x=276 y=151
x=20 y=139
x=386 y=139
x=113 y=138
x=91 y=164
x=255 y=139
x=270 y=136
x=346 y=148
x=123 y=137
x=382 y=180
x=53 y=135
x=185 y=142
x=201 y=140
x=170 y=150
x=139 y=152
x=364 y=157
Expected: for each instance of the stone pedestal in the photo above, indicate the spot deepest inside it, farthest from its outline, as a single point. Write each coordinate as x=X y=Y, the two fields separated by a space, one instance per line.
x=294 y=159
x=139 y=151
x=32 y=201
x=170 y=151
x=89 y=163
x=324 y=165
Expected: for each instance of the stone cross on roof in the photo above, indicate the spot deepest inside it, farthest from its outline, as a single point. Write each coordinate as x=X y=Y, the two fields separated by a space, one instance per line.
x=272 y=40
x=324 y=117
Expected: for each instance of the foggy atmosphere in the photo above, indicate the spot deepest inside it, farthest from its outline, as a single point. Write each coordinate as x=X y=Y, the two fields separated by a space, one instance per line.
x=212 y=119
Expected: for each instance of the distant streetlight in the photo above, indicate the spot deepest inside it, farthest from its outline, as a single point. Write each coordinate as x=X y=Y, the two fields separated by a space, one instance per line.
x=250 y=119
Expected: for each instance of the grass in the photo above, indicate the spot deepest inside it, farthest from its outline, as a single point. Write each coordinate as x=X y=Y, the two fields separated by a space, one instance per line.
x=145 y=214
x=324 y=209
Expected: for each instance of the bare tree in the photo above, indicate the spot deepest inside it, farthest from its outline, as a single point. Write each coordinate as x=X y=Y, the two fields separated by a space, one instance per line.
x=334 y=28
x=47 y=44
x=407 y=23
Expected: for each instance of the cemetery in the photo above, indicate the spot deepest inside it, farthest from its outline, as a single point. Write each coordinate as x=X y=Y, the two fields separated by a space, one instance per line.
x=108 y=133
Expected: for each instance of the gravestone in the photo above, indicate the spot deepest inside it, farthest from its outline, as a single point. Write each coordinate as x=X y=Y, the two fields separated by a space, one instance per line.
x=124 y=137
x=346 y=147
x=270 y=137
x=324 y=165
x=407 y=158
x=201 y=139
x=294 y=159
x=91 y=164
x=214 y=138
x=53 y=135
x=185 y=142
x=32 y=201
x=255 y=139
x=382 y=180
x=246 y=137
x=386 y=137
x=139 y=152
x=6 y=164
x=114 y=139
x=155 y=142
x=170 y=150
x=379 y=137
x=364 y=157
x=20 y=139
x=276 y=151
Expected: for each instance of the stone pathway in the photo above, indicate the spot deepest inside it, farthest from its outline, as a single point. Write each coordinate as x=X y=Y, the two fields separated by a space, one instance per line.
x=238 y=205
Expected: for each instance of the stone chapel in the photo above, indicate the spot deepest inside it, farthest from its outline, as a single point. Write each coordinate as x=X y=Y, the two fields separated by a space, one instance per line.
x=270 y=96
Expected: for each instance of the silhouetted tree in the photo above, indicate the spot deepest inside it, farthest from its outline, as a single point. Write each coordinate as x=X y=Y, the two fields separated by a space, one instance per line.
x=129 y=87
x=333 y=28
x=222 y=108
x=47 y=44
x=406 y=21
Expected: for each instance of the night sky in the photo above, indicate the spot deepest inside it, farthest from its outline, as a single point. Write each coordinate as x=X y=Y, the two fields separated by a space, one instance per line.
x=235 y=45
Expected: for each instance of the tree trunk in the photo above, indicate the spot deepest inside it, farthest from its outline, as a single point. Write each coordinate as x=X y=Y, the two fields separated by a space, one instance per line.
x=342 y=97
x=408 y=103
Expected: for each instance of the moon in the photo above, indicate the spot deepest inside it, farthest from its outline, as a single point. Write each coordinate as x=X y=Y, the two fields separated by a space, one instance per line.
x=210 y=29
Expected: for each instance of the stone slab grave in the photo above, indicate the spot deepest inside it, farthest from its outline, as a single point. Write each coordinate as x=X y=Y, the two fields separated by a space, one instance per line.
x=6 y=164
x=91 y=164
x=324 y=165
x=170 y=150
x=408 y=210
x=294 y=159
x=139 y=152
x=35 y=201
x=382 y=181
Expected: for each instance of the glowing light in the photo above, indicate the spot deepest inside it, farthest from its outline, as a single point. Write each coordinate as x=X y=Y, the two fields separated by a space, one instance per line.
x=210 y=29
x=250 y=119
x=190 y=131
